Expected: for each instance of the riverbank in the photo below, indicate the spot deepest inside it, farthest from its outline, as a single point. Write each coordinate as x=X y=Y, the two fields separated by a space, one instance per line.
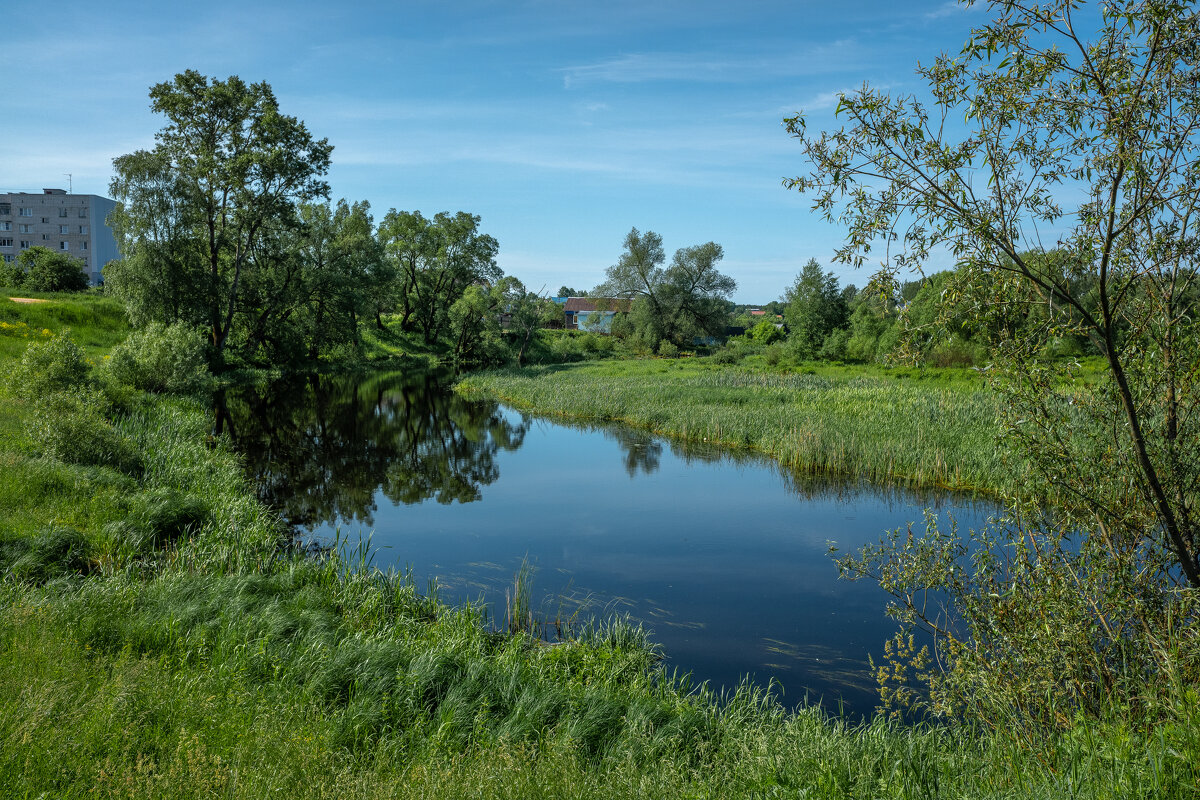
x=930 y=428
x=157 y=640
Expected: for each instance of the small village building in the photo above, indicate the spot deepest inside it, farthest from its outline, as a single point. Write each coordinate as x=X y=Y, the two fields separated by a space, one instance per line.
x=594 y=314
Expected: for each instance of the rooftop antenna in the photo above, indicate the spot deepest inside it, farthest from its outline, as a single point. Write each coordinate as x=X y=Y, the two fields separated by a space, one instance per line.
x=70 y=183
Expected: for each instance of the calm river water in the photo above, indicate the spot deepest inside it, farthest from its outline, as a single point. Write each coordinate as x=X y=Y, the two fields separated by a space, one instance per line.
x=723 y=556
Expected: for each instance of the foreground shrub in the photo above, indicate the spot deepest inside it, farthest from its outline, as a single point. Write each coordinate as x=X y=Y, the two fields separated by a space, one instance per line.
x=1039 y=628
x=54 y=365
x=162 y=358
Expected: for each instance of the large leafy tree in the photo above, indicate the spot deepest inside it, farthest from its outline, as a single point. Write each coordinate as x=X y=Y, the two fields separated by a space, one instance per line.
x=312 y=284
x=1116 y=118
x=815 y=308
x=678 y=302
x=435 y=260
x=227 y=172
x=1075 y=185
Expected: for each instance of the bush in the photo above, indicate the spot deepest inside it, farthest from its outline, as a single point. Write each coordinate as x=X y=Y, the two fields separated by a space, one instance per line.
x=1046 y=627
x=834 y=346
x=41 y=269
x=727 y=355
x=162 y=358
x=72 y=428
x=765 y=332
x=54 y=365
x=564 y=348
x=775 y=353
x=955 y=353
x=596 y=345
x=11 y=275
x=667 y=349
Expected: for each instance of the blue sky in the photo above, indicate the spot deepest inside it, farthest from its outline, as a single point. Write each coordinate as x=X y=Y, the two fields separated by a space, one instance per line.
x=562 y=124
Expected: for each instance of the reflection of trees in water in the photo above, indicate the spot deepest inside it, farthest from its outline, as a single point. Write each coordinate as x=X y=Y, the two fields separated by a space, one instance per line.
x=642 y=452
x=319 y=448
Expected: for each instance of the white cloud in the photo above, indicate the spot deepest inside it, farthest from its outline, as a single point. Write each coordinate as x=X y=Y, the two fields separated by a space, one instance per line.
x=946 y=10
x=705 y=67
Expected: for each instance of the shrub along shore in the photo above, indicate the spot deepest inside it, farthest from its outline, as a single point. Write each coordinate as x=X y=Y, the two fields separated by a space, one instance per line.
x=158 y=638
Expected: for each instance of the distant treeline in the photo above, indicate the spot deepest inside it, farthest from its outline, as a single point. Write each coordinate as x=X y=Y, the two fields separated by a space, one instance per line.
x=951 y=318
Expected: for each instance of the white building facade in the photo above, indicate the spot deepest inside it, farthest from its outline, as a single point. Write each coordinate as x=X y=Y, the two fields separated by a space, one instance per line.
x=74 y=224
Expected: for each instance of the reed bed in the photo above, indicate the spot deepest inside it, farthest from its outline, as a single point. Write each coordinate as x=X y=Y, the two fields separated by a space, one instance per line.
x=882 y=429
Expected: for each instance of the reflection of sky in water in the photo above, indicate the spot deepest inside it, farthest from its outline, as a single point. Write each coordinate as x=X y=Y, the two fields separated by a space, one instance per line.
x=724 y=559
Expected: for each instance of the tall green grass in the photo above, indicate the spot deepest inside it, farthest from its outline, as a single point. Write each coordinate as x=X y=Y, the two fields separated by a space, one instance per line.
x=885 y=429
x=470 y=716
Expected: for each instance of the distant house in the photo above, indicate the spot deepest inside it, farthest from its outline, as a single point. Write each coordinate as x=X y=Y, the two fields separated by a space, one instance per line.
x=593 y=313
x=757 y=312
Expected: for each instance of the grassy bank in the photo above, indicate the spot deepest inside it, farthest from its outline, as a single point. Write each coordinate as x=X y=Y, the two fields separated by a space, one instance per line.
x=932 y=428
x=156 y=641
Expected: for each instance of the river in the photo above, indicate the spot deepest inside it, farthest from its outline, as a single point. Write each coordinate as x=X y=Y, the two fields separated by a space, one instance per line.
x=723 y=556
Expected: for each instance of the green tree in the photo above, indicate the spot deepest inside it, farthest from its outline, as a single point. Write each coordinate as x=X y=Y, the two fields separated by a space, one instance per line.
x=228 y=171
x=11 y=275
x=41 y=269
x=685 y=300
x=475 y=320
x=411 y=246
x=815 y=309
x=1053 y=114
x=872 y=325
x=528 y=313
x=435 y=260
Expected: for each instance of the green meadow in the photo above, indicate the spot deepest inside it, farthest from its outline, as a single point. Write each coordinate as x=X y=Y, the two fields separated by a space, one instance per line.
x=159 y=638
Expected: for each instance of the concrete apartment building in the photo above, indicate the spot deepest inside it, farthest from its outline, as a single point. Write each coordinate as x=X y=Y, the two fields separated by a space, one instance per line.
x=68 y=223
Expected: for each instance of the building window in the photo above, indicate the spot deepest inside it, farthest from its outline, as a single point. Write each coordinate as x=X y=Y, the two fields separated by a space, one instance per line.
x=62 y=212
x=26 y=212
x=8 y=257
x=5 y=226
x=83 y=213
x=64 y=245
x=45 y=237
x=83 y=229
x=45 y=220
x=5 y=208
x=64 y=228
x=24 y=244
x=83 y=245
x=5 y=242
x=26 y=229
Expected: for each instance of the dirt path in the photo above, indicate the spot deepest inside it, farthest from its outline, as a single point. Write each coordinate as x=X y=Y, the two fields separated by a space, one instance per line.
x=28 y=300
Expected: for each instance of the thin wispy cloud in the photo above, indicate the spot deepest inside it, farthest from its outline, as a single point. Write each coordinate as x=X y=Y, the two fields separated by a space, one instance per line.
x=947 y=9
x=824 y=101
x=705 y=68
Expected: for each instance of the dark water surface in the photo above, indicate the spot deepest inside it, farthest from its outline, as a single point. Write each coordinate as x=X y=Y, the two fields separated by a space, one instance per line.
x=723 y=556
